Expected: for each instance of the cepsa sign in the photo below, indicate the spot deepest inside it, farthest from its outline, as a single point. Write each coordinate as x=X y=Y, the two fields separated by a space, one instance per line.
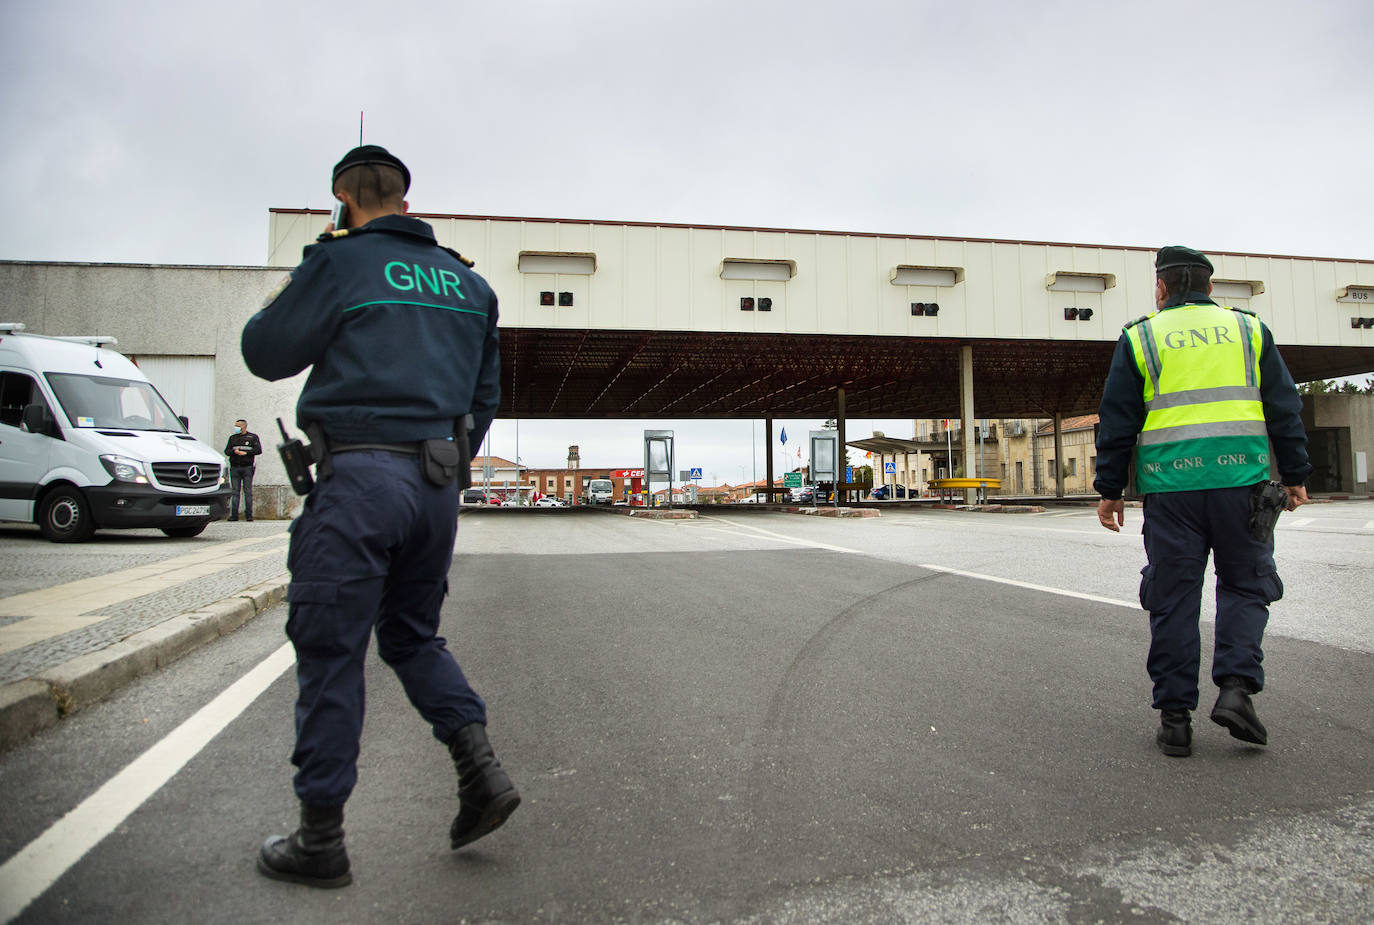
x=627 y=474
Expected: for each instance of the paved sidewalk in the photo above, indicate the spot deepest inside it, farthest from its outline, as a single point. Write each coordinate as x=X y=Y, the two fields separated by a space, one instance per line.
x=69 y=644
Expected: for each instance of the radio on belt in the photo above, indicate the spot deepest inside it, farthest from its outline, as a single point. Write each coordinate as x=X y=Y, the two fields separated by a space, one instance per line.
x=295 y=456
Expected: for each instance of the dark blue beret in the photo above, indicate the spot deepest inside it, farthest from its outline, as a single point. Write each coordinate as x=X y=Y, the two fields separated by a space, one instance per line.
x=1176 y=255
x=371 y=154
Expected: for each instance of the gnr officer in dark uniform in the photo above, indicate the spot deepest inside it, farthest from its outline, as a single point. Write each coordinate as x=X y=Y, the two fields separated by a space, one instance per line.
x=1197 y=393
x=401 y=335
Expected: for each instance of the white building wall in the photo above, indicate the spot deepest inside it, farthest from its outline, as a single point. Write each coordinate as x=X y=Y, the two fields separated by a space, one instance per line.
x=165 y=312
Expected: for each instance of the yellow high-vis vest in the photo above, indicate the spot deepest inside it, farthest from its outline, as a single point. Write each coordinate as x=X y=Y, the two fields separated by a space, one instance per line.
x=1204 y=421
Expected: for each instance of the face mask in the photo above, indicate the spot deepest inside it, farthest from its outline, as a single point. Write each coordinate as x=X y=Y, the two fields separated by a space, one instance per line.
x=238 y=430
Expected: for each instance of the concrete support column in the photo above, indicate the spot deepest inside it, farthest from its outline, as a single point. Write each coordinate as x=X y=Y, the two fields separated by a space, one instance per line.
x=1058 y=455
x=967 y=425
x=843 y=462
x=768 y=456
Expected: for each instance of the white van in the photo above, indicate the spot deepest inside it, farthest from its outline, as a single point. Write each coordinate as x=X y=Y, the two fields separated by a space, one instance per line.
x=600 y=491
x=86 y=442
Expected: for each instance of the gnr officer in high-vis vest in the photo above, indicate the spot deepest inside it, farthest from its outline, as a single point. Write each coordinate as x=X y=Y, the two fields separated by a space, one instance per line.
x=1198 y=395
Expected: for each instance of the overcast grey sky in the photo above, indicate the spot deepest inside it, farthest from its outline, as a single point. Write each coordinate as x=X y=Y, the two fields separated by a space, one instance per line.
x=162 y=132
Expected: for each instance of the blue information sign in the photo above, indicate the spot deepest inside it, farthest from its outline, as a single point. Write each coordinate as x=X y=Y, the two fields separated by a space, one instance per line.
x=696 y=473
x=889 y=468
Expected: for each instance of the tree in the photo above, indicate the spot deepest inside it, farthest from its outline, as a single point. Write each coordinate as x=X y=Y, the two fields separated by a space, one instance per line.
x=1331 y=387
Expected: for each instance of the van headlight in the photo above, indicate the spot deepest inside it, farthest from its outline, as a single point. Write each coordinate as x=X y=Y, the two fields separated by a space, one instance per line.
x=124 y=469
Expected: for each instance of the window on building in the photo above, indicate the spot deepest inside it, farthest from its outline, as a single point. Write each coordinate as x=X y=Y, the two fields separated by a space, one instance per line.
x=1092 y=465
x=1050 y=470
x=1073 y=467
x=551 y=483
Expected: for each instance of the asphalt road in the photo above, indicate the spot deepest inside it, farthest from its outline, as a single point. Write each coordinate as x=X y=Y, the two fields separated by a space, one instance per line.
x=927 y=717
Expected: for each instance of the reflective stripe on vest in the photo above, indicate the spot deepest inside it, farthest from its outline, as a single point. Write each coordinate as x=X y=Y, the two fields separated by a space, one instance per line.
x=1204 y=422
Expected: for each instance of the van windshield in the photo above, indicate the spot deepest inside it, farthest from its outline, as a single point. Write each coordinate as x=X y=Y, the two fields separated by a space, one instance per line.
x=128 y=404
x=600 y=485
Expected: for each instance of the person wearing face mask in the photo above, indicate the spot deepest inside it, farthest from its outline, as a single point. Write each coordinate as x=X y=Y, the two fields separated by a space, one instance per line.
x=242 y=449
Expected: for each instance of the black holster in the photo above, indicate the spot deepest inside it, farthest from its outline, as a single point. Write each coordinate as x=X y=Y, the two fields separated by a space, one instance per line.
x=449 y=459
x=1267 y=501
x=319 y=450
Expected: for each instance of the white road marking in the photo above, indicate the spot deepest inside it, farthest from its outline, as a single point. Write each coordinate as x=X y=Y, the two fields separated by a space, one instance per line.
x=1132 y=605
x=28 y=874
x=792 y=539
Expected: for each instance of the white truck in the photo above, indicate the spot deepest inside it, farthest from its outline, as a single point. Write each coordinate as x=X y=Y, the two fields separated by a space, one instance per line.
x=87 y=442
x=600 y=491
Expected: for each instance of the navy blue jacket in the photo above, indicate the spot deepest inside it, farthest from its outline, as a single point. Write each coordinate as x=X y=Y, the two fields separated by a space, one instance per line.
x=1122 y=413
x=400 y=332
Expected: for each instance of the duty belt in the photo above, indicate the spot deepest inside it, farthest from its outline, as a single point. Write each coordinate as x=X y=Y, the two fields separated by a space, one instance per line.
x=403 y=449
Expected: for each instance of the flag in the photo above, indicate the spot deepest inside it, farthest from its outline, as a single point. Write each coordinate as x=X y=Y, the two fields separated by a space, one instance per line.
x=783 y=436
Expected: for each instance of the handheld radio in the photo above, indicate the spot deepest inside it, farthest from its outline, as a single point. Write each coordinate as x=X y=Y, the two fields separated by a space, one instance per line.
x=296 y=458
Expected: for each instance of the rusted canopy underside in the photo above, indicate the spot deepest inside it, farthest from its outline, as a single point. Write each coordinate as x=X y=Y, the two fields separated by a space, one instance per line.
x=555 y=373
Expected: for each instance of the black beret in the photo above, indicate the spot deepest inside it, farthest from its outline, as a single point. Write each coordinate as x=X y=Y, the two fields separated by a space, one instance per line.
x=371 y=154
x=1176 y=255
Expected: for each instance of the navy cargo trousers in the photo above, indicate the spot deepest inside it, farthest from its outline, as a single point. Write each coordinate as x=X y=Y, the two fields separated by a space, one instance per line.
x=1180 y=528
x=371 y=551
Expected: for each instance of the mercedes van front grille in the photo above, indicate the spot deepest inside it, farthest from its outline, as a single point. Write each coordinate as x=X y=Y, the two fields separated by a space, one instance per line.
x=187 y=475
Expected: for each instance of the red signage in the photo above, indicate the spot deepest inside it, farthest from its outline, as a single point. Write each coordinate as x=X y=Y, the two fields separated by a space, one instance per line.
x=627 y=473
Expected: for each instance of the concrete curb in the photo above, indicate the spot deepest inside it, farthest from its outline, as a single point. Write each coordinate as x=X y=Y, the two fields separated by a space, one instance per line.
x=33 y=704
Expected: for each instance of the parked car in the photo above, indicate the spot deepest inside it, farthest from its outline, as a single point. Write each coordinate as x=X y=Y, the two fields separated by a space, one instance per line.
x=887 y=493
x=474 y=496
x=549 y=501
x=804 y=495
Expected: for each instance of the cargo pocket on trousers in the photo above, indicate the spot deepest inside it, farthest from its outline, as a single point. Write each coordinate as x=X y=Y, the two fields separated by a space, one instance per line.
x=1147 y=584
x=305 y=598
x=1269 y=584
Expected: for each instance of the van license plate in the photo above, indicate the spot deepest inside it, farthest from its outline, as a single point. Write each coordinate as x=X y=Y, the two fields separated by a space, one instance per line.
x=193 y=510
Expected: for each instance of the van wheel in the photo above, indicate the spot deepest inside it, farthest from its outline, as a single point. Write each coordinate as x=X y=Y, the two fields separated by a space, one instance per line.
x=65 y=517
x=185 y=532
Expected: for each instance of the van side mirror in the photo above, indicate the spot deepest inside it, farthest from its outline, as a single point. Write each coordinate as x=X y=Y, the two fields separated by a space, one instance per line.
x=39 y=421
x=185 y=421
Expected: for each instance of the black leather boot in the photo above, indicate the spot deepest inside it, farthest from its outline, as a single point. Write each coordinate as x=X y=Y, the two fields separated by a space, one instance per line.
x=314 y=854
x=485 y=792
x=1175 y=737
x=1236 y=712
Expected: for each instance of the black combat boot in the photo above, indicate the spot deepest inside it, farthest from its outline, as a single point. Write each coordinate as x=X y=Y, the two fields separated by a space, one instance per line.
x=1175 y=737
x=314 y=854
x=1236 y=712
x=485 y=793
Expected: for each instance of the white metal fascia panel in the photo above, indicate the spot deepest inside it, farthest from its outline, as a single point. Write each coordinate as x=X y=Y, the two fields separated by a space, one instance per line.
x=864 y=263
x=710 y=309
x=974 y=300
x=1004 y=290
x=607 y=290
x=639 y=277
x=656 y=277
x=674 y=278
x=831 y=286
